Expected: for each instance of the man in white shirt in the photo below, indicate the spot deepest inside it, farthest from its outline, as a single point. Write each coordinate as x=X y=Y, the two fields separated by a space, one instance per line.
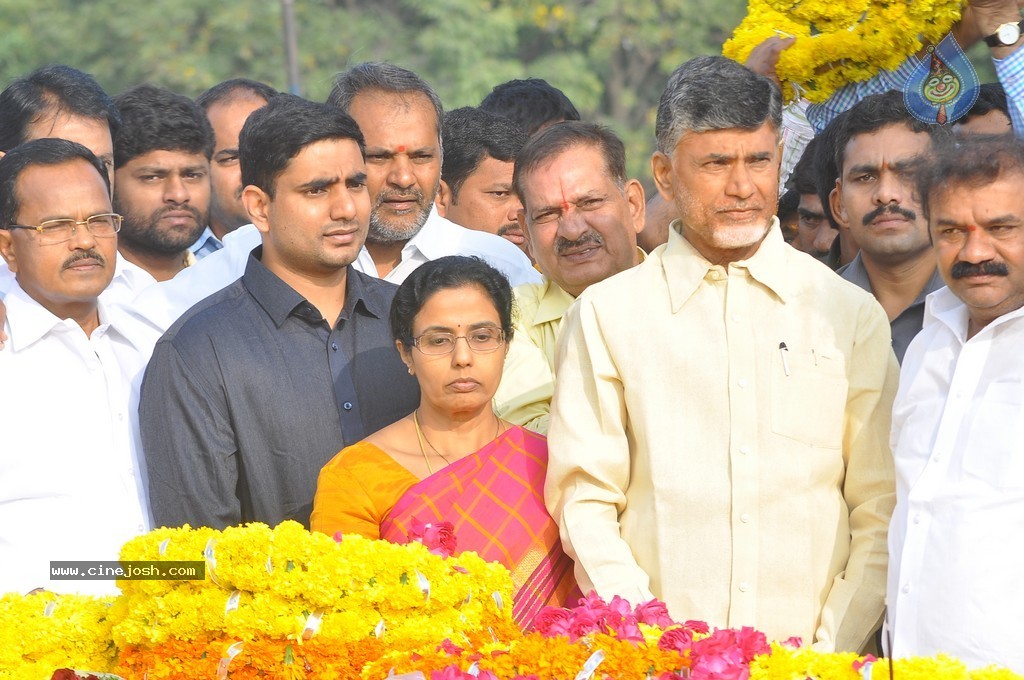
x=400 y=118
x=956 y=557
x=71 y=486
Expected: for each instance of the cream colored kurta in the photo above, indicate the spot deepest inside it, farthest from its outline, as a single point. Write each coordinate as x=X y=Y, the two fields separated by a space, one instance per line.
x=693 y=459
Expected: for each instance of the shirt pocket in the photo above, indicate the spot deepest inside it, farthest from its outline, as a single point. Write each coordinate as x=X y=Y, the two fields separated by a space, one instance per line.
x=808 y=399
x=993 y=448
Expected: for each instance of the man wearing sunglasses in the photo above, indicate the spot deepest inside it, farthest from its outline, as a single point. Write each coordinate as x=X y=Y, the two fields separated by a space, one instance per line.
x=71 y=487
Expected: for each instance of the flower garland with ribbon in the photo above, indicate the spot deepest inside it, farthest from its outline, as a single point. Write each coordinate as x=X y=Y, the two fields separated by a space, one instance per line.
x=840 y=42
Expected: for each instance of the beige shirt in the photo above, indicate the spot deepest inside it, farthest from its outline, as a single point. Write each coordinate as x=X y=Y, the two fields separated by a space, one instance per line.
x=528 y=381
x=693 y=459
x=524 y=395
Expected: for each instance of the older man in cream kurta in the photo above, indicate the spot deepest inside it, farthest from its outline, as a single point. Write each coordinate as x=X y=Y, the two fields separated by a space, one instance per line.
x=719 y=426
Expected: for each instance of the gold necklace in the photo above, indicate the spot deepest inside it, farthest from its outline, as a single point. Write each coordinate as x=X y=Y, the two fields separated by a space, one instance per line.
x=423 y=438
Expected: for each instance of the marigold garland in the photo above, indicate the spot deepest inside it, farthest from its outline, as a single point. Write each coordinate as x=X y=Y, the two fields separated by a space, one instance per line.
x=840 y=42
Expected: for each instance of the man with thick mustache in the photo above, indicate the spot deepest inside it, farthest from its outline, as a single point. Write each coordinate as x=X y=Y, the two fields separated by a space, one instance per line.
x=719 y=429
x=958 y=421
x=874 y=198
x=162 y=168
x=581 y=216
x=71 y=486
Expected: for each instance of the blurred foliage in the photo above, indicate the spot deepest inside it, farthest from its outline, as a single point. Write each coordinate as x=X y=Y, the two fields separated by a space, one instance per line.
x=611 y=58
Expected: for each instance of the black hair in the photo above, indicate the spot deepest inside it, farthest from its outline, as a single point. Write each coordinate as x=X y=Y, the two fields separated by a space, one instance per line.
x=991 y=97
x=824 y=164
x=876 y=112
x=560 y=137
x=274 y=134
x=381 y=77
x=231 y=90
x=156 y=119
x=470 y=134
x=803 y=178
x=531 y=103
x=46 y=151
x=52 y=91
x=973 y=162
x=445 y=273
x=788 y=204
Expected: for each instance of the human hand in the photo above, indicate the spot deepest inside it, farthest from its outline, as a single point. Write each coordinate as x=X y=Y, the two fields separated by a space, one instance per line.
x=982 y=17
x=764 y=57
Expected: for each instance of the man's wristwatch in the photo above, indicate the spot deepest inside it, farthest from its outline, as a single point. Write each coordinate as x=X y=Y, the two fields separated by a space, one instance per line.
x=1006 y=35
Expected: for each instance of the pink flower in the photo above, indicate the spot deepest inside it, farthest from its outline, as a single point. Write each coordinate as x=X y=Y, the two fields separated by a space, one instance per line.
x=676 y=639
x=584 y=622
x=793 y=643
x=338 y=536
x=552 y=621
x=449 y=647
x=750 y=642
x=726 y=666
x=451 y=673
x=697 y=626
x=860 y=663
x=627 y=629
x=653 y=613
x=439 y=537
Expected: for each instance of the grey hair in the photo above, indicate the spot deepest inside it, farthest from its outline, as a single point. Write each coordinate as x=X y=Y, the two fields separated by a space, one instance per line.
x=715 y=93
x=383 y=77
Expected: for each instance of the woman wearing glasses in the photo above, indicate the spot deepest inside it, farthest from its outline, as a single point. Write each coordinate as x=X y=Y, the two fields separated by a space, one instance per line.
x=453 y=459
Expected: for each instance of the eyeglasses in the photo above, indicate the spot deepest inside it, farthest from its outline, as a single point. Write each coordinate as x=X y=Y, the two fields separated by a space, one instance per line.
x=480 y=340
x=52 y=232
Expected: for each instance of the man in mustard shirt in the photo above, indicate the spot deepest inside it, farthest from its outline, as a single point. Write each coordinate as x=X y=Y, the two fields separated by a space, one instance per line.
x=581 y=216
x=719 y=435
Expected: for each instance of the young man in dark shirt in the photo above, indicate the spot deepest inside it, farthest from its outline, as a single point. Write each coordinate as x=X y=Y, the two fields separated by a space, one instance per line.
x=259 y=385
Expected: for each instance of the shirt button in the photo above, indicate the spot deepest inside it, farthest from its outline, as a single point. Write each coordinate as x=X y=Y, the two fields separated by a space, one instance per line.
x=745 y=517
x=744 y=586
x=120 y=416
x=141 y=528
x=334 y=346
x=917 y=519
x=742 y=382
x=131 y=471
x=744 y=449
x=906 y=588
x=347 y=406
x=736 y=318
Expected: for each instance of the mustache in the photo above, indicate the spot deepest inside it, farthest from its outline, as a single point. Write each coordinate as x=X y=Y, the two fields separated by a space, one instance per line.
x=513 y=226
x=177 y=207
x=962 y=269
x=79 y=255
x=589 y=238
x=890 y=209
x=390 y=194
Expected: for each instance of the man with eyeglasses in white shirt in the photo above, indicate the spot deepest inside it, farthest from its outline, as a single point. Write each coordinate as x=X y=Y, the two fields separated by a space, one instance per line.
x=71 y=485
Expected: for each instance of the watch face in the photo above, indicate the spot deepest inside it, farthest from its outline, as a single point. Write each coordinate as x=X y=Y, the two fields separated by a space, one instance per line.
x=1008 y=34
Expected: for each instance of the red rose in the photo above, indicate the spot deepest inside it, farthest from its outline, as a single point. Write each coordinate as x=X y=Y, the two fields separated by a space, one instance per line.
x=552 y=621
x=697 y=626
x=584 y=622
x=653 y=613
x=438 y=537
x=627 y=629
x=676 y=640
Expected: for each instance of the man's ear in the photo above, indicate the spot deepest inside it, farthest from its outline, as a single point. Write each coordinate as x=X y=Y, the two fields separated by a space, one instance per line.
x=443 y=199
x=7 y=250
x=257 y=204
x=521 y=218
x=661 y=168
x=835 y=202
x=637 y=204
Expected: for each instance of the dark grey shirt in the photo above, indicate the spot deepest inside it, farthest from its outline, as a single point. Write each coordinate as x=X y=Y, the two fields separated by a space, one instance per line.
x=908 y=323
x=251 y=392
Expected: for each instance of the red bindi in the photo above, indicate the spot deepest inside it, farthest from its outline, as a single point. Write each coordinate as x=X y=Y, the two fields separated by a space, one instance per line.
x=971 y=227
x=401 y=148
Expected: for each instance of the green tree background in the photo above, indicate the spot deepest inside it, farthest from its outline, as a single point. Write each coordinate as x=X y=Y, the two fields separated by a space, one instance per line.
x=612 y=58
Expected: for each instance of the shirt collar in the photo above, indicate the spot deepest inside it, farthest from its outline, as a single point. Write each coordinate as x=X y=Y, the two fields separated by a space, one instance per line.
x=280 y=300
x=30 y=322
x=685 y=268
x=430 y=240
x=944 y=307
x=554 y=300
x=856 y=273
